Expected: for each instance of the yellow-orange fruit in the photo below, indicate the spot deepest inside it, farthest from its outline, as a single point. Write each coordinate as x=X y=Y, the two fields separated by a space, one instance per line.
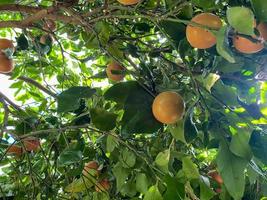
x=248 y=46
x=128 y=2
x=49 y=25
x=15 y=150
x=216 y=176
x=31 y=144
x=168 y=107
x=6 y=44
x=113 y=66
x=6 y=65
x=91 y=168
x=102 y=186
x=200 y=37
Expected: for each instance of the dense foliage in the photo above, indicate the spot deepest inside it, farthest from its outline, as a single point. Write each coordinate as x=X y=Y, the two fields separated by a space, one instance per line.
x=75 y=134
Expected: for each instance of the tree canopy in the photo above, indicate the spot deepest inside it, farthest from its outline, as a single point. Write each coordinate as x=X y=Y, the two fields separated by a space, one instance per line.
x=134 y=99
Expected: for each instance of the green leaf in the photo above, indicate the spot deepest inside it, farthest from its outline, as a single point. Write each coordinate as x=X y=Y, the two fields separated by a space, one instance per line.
x=162 y=160
x=177 y=131
x=153 y=194
x=225 y=93
x=142 y=183
x=100 y=196
x=78 y=185
x=7 y=1
x=206 y=4
x=69 y=99
x=175 y=189
x=129 y=189
x=209 y=80
x=69 y=156
x=260 y=9
x=111 y=143
x=190 y=169
x=120 y=174
x=240 y=143
x=206 y=193
x=258 y=143
x=231 y=168
x=138 y=117
x=175 y=30
x=222 y=45
x=127 y=158
x=242 y=19
x=103 y=119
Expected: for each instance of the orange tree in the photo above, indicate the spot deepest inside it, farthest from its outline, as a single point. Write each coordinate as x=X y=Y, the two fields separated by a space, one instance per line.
x=128 y=99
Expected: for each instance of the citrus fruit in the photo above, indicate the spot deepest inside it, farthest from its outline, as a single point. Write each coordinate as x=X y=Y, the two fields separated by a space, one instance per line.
x=114 y=71
x=102 y=186
x=32 y=144
x=91 y=169
x=247 y=46
x=128 y=2
x=215 y=176
x=6 y=44
x=168 y=107
x=200 y=37
x=6 y=65
x=15 y=150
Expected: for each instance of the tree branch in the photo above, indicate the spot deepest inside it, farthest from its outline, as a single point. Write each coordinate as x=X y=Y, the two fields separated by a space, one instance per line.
x=15 y=106
x=36 y=84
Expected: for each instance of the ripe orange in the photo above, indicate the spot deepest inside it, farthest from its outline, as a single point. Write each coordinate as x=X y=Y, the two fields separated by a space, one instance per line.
x=31 y=144
x=113 y=66
x=6 y=44
x=6 y=65
x=102 y=186
x=262 y=27
x=128 y=2
x=168 y=107
x=199 y=37
x=247 y=46
x=216 y=176
x=15 y=150
x=49 y=25
x=91 y=169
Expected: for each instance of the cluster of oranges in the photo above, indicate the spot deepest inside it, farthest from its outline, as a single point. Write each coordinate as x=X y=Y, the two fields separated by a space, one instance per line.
x=92 y=170
x=201 y=38
x=30 y=144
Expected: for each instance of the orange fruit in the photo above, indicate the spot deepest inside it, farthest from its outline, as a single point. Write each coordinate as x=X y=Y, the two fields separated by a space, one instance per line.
x=128 y=2
x=262 y=27
x=6 y=65
x=199 y=37
x=113 y=66
x=6 y=44
x=49 y=25
x=102 y=186
x=247 y=46
x=215 y=176
x=15 y=150
x=91 y=169
x=31 y=144
x=168 y=107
